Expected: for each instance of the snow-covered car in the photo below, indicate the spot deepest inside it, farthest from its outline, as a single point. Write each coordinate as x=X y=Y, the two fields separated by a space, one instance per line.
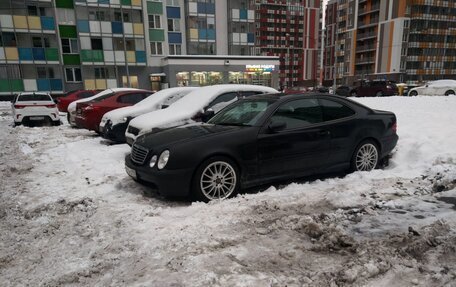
x=29 y=108
x=195 y=106
x=435 y=88
x=114 y=123
x=71 y=116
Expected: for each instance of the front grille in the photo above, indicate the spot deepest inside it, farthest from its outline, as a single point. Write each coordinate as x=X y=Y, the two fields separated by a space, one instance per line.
x=138 y=154
x=133 y=130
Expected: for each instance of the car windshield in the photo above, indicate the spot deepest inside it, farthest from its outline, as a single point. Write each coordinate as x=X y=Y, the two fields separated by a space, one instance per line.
x=243 y=113
x=34 y=97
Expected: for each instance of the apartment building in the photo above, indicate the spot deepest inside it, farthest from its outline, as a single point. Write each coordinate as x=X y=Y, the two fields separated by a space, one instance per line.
x=409 y=41
x=290 y=30
x=62 y=45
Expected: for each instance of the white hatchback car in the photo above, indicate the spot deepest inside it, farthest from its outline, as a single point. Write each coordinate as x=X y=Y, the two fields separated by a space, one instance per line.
x=435 y=88
x=30 y=108
x=198 y=105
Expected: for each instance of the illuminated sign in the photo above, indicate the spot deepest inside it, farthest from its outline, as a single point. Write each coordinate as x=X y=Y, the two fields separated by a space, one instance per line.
x=259 y=68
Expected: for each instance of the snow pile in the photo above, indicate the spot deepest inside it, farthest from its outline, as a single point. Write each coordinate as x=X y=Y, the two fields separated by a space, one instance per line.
x=73 y=216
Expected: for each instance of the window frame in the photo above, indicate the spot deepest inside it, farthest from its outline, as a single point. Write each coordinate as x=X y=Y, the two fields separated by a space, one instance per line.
x=73 y=72
x=71 y=42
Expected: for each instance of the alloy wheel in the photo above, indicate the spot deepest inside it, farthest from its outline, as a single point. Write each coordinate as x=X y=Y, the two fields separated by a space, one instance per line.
x=218 y=180
x=366 y=157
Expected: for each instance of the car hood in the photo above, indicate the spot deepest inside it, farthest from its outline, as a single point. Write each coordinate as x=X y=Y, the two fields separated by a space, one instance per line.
x=190 y=132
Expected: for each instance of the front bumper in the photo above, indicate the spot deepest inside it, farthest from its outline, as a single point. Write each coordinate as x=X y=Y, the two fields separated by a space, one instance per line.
x=170 y=183
x=114 y=132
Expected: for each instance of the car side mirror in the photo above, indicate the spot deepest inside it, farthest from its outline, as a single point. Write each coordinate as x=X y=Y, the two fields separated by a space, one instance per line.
x=277 y=126
x=164 y=106
x=209 y=113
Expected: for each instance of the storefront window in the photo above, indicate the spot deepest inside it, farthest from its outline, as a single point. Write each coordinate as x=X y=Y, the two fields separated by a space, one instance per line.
x=255 y=78
x=182 y=79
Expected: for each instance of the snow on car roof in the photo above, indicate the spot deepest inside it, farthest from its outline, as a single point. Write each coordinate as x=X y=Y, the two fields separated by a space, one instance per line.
x=148 y=104
x=442 y=83
x=72 y=106
x=191 y=104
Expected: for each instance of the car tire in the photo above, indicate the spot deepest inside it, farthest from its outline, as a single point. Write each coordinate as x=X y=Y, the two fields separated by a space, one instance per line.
x=56 y=123
x=379 y=94
x=365 y=157
x=216 y=178
x=413 y=93
x=449 y=92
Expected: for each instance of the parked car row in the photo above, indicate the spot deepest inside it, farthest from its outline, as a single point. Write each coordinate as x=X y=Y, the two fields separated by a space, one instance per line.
x=210 y=142
x=387 y=88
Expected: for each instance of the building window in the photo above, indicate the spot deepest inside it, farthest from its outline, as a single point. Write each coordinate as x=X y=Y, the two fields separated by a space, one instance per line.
x=101 y=73
x=156 y=48
x=36 y=11
x=172 y=2
x=73 y=74
x=70 y=46
x=97 y=44
x=98 y=16
x=175 y=49
x=118 y=17
x=39 y=42
x=154 y=21
x=173 y=25
x=45 y=73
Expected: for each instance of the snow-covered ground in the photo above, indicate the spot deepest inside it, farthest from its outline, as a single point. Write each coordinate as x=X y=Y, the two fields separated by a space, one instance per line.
x=69 y=215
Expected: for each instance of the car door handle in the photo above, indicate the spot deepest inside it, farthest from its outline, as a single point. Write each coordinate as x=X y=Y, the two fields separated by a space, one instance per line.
x=323 y=133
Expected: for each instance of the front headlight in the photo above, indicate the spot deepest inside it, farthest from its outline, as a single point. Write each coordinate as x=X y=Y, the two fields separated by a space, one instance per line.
x=163 y=159
x=153 y=161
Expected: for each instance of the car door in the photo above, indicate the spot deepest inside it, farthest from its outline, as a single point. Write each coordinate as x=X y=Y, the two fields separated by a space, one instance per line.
x=340 y=121
x=301 y=147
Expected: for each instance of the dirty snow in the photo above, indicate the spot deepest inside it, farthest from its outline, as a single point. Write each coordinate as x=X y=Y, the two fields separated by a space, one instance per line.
x=70 y=215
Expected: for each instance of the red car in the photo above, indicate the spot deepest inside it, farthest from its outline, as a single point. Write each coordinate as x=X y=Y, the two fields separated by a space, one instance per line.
x=89 y=114
x=64 y=101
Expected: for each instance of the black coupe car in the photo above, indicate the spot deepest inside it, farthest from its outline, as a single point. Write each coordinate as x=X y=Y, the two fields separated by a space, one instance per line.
x=263 y=139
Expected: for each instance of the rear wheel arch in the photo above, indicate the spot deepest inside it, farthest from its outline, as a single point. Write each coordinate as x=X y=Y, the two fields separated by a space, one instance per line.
x=449 y=92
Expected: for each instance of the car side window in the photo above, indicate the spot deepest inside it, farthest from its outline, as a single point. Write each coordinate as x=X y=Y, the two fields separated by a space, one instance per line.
x=299 y=113
x=333 y=110
x=131 y=98
x=84 y=95
x=249 y=93
x=223 y=98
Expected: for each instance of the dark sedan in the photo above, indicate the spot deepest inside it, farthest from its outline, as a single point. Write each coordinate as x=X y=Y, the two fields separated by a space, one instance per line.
x=260 y=140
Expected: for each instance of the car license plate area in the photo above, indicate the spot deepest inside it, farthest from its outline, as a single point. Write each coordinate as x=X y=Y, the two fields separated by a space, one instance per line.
x=36 y=118
x=131 y=172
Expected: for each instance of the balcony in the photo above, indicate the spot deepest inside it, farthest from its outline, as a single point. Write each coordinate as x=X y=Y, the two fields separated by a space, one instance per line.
x=373 y=9
x=27 y=24
x=24 y=55
x=134 y=4
x=135 y=58
x=115 y=27
x=364 y=36
x=30 y=85
x=365 y=61
x=365 y=48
